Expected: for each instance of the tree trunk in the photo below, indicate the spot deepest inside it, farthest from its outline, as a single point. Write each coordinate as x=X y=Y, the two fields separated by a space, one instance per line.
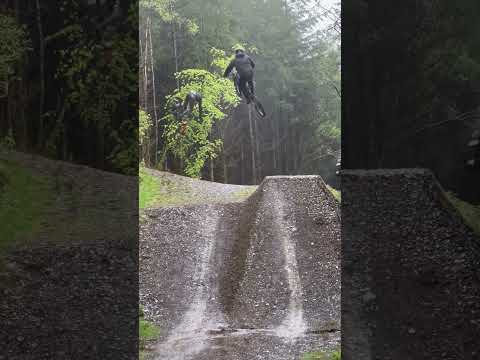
x=175 y=48
x=257 y=148
x=141 y=96
x=252 y=147
x=242 y=164
x=274 y=143
x=212 y=177
x=100 y=147
x=42 y=75
x=175 y=54
x=145 y=70
x=225 y=169
x=278 y=146
x=145 y=92
x=155 y=117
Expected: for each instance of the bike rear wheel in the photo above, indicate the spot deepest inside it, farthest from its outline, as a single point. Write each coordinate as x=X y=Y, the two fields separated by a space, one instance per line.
x=260 y=110
x=259 y=107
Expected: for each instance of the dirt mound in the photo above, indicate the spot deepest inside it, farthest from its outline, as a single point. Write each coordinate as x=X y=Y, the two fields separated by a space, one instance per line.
x=284 y=258
x=410 y=270
x=267 y=269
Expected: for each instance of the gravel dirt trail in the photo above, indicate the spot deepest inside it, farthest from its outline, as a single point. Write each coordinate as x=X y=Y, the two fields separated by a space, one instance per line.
x=238 y=280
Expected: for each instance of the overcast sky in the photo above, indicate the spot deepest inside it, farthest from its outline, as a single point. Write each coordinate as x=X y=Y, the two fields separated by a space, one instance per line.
x=326 y=21
x=327 y=4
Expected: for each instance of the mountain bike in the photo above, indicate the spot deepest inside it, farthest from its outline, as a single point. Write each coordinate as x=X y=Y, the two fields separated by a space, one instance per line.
x=253 y=99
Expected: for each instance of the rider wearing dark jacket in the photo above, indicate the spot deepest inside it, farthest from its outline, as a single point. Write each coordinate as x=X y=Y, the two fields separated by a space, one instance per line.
x=244 y=66
x=191 y=99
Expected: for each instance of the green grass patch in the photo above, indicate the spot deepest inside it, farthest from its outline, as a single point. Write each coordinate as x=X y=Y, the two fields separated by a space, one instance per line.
x=171 y=190
x=150 y=193
x=147 y=331
x=336 y=193
x=23 y=199
x=469 y=212
x=320 y=355
x=156 y=191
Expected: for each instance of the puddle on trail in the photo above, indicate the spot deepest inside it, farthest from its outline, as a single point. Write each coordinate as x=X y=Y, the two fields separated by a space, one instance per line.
x=243 y=344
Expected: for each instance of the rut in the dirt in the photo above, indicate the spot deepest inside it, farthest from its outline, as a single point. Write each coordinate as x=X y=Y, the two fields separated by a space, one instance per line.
x=253 y=280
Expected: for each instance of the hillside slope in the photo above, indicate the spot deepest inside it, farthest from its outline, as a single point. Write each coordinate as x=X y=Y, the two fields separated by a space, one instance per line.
x=68 y=261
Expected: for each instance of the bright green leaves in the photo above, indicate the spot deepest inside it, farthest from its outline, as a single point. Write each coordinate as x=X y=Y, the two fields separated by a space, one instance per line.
x=98 y=82
x=196 y=146
x=144 y=125
x=166 y=10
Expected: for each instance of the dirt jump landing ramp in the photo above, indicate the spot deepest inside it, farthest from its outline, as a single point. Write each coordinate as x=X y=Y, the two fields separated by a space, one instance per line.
x=410 y=270
x=253 y=280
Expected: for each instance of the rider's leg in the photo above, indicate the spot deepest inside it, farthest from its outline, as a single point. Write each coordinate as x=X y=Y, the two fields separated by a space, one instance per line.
x=237 y=85
x=252 y=87
x=242 y=84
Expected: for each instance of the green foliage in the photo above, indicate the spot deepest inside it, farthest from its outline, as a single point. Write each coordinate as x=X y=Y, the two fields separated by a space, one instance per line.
x=124 y=155
x=336 y=355
x=197 y=146
x=8 y=141
x=147 y=331
x=144 y=125
x=98 y=81
x=23 y=200
x=220 y=60
x=149 y=193
x=336 y=193
x=13 y=46
x=469 y=212
x=166 y=9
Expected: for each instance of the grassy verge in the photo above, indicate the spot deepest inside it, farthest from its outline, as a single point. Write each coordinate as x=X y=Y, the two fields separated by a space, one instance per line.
x=336 y=193
x=469 y=212
x=155 y=192
x=147 y=332
x=23 y=199
x=165 y=190
x=322 y=356
x=149 y=190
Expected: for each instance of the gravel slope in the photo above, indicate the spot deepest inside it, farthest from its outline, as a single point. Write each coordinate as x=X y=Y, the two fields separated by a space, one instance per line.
x=411 y=270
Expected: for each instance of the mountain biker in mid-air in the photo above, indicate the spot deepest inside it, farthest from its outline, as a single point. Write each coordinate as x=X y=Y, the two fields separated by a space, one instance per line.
x=191 y=99
x=181 y=110
x=244 y=66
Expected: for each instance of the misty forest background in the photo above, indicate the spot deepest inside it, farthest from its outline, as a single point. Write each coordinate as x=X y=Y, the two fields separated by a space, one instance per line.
x=411 y=89
x=186 y=45
x=70 y=86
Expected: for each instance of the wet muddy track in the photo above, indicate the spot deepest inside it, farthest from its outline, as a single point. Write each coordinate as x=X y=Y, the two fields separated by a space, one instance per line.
x=258 y=279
